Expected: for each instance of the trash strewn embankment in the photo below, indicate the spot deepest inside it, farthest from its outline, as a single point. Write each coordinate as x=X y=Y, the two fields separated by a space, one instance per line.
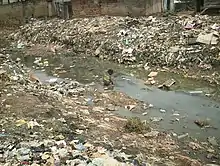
x=59 y=124
x=175 y=41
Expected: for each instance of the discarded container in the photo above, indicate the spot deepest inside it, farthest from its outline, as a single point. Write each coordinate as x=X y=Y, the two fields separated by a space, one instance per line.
x=156 y=119
x=196 y=92
x=183 y=136
x=162 y=111
x=89 y=101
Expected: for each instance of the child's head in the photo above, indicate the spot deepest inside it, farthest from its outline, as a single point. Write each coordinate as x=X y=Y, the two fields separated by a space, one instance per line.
x=110 y=71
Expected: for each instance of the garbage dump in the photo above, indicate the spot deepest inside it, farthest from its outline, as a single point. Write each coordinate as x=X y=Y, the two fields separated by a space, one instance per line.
x=173 y=41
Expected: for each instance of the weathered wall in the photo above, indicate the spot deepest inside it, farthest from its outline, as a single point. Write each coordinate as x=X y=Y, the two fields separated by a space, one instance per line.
x=115 y=7
x=16 y=12
x=10 y=14
x=212 y=3
x=154 y=6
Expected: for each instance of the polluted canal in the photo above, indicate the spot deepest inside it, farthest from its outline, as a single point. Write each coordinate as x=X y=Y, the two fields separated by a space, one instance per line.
x=84 y=122
x=185 y=111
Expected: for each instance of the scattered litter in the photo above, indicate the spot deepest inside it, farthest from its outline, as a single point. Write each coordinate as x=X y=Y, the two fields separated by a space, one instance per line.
x=215 y=27
x=194 y=146
x=153 y=74
x=3 y=135
x=145 y=113
x=174 y=49
x=211 y=38
x=195 y=92
x=202 y=123
x=183 y=136
x=162 y=111
x=20 y=122
x=167 y=84
x=151 y=134
x=20 y=45
x=150 y=105
x=130 y=107
x=156 y=119
x=176 y=114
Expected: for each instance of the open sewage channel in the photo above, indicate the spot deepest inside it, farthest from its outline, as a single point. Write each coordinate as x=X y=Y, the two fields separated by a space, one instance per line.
x=174 y=111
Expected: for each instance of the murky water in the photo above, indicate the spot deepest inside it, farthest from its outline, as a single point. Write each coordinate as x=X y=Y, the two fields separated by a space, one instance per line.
x=189 y=107
x=181 y=107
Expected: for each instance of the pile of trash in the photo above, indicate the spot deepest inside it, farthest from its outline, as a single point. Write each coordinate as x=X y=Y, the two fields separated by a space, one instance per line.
x=175 y=41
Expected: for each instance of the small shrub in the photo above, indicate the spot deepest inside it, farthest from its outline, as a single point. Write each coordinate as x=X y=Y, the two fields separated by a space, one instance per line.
x=135 y=125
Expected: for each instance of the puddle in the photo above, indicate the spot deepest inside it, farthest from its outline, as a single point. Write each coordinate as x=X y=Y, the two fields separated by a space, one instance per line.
x=189 y=107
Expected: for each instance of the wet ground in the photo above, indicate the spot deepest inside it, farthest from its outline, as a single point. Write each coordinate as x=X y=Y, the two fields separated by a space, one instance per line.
x=178 y=109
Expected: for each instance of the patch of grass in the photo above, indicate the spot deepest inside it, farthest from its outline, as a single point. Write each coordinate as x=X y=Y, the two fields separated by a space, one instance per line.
x=135 y=125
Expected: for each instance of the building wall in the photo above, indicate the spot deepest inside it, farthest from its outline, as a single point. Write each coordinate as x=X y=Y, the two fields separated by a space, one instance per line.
x=115 y=7
x=154 y=6
x=212 y=3
x=14 y=13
